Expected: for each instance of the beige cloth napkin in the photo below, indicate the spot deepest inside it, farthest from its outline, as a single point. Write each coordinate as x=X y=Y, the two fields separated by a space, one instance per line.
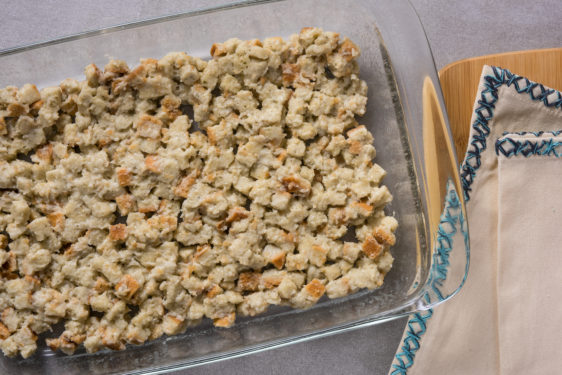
x=506 y=318
x=529 y=276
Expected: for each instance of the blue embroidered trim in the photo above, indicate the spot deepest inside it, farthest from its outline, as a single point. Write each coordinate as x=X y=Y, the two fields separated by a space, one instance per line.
x=445 y=232
x=416 y=328
x=554 y=133
x=528 y=147
x=417 y=324
x=485 y=112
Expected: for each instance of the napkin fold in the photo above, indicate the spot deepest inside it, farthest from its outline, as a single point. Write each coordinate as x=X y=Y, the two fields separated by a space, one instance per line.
x=529 y=252
x=506 y=318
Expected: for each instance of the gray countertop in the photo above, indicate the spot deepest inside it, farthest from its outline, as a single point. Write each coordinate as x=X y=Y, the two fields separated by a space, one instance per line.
x=456 y=29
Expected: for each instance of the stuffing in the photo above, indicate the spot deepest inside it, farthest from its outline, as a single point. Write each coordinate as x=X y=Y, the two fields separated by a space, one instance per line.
x=125 y=220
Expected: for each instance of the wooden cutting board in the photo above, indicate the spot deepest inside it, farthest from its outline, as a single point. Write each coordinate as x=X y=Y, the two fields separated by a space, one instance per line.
x=459 y=82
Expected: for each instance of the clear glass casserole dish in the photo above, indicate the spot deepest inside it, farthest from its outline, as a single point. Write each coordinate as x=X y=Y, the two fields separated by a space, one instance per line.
x=413 y=141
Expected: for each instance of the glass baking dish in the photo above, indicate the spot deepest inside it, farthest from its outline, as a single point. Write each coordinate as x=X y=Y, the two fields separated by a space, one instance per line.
x=413 y=141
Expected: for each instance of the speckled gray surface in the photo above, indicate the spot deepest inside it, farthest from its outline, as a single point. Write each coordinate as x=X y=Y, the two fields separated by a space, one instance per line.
x=456 y=29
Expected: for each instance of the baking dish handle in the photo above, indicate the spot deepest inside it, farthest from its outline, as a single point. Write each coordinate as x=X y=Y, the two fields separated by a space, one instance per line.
x=451 y=253
x=446 y=210
x=444 y=248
